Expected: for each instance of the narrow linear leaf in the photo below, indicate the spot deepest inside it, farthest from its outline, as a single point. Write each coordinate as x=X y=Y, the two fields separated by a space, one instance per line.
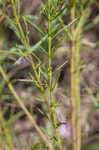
x=30 y=17
x=35 y=26
x=9 y=52
x=67 y=26
x=57 y=69
x=84 y=17
x=14 y=118
x=14 y=27
x=96 y=104
x=60 y=12
x=37 y=45
x=24 y=80
x=55 y=82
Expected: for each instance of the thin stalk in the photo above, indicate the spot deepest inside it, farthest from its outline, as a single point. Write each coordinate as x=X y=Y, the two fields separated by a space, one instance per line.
x=42 y=135
x=77 y=94
x=4 y=5
x=72 y=84
x=7 y=136
x=34 y=68
x=49 y=52
x=53 y=119
x=30 y=57
x=65 y=29
x=78 y=32
x=74 y=87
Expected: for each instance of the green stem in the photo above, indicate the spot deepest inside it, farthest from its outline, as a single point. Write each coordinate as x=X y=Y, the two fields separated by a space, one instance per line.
x=30 y=57
x=72 y=84
x=74 y=87
x=50 y=77
x=42 y=135
x=77 y=94
x=6 y=133
x=49 y=50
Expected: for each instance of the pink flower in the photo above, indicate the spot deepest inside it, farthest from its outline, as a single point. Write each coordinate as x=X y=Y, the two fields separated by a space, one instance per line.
x=65 y=130
x=23 y=61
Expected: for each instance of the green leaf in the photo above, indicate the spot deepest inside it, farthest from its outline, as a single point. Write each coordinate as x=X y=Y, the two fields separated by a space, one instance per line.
x=9 y=52
x=81 y=22
x=58 y=68
x=67 y=26
x=93 y=145
x=14 y=118
x=14 y=27
x=38 y=146
x=53 y=105
x=35 y=26
x=43 y=49
x=0 y=2
x=55 y=82
x=37 y=45
x=25 y=80
x=94 y=100
x=30 y=17
x=60 y=12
